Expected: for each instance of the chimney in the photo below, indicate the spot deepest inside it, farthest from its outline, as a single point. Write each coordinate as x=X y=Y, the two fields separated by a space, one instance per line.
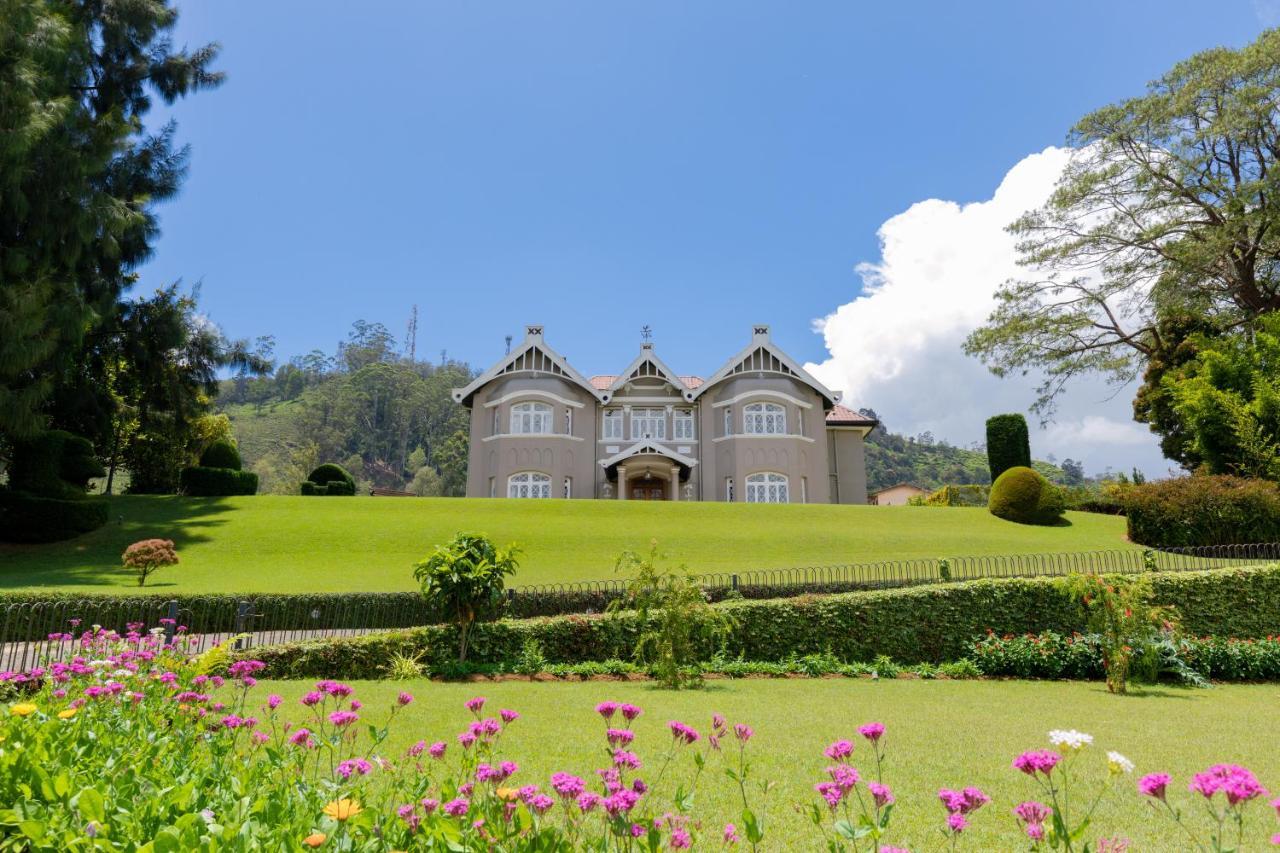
x=533 y=333
x=759 y=333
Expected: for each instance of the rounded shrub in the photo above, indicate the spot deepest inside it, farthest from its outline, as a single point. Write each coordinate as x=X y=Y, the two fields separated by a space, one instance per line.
x=329 y=479
x=1022 y=495
x=221 y=454
x=1203 y=510
x=203 y=482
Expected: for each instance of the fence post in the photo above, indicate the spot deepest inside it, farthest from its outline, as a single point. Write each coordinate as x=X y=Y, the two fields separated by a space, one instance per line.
x=172 y=624
x=734 y=582
x=242 y=617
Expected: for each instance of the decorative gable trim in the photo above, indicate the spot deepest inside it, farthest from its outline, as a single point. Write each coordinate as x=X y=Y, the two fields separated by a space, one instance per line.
x=648 y=446
x=762 y=356
x=532 y=356
x=647 y=365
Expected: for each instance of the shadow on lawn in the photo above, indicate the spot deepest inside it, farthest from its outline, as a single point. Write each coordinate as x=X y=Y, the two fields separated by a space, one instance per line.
x=94 y=558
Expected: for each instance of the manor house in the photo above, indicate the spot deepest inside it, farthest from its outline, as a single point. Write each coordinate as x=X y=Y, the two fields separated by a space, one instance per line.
x=760 y=429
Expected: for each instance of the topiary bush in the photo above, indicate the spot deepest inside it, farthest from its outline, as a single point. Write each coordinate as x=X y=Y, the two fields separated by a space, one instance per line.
x=201 y=482
x=1008 y=444
x=46 y=499
x=329 y=479
x=1021 y=494
x=31 y=518
x=221 y=454
x=1203 y=510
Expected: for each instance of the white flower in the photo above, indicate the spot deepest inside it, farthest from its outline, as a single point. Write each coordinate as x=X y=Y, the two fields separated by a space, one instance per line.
x=1118 y=764
x=1069 y=740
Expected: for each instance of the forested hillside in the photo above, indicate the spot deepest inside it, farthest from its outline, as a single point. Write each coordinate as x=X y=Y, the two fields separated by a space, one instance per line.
x=385 y=417
x=925 y=461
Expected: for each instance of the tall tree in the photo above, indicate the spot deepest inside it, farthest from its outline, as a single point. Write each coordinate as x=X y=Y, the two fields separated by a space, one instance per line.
x=80 y=175
x=1168 y=207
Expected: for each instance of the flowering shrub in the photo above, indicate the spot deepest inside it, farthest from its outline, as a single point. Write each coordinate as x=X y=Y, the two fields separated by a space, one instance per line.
x=124 y=741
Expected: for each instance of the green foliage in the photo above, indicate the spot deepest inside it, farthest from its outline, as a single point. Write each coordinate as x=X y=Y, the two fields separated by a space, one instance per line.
x=1024 y=496
x=221 y=454
x=216 y=482
x=968 y=495
x=1120 y=612
x=929 y=624
x=1124 y=217
x=404 y=667
x=1008 y=444
x=426 y=483
x=54 y=464
x=465 y=578
x=1203 y=510
x=1227 y=401
x=329 y=479
x=29 y=518
x=673 y=617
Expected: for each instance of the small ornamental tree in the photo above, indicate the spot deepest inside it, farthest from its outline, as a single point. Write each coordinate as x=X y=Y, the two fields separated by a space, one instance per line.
x=148 y=555
x=1008 y=444
x=1128 y=625
x=673 y=616
x=465 y=579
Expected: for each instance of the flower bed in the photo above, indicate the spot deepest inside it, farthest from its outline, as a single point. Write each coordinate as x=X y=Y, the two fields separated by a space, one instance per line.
x=130 y=742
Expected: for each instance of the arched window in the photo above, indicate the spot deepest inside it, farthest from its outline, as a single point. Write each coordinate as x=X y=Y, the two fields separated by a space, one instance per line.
x=530 y=418
x=767 y=488
x=764 y=419
x=529 y=484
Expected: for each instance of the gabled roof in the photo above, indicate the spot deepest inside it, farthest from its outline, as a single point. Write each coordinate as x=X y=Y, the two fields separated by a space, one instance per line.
x=602 y=381
x=647 y=446
x=647 y=365
x=531 y=355
x=761 y=355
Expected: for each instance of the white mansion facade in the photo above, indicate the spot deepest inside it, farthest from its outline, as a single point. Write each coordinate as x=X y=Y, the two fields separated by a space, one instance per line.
x=760 y=429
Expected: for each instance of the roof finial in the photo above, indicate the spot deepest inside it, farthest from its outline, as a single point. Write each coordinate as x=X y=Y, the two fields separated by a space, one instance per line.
x=646 y=333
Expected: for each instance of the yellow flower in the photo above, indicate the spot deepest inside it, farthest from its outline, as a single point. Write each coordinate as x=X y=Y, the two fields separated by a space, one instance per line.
x=315 y=839
x=22 y=709
x=67 y=713
x=343 y=809
x=508 y=794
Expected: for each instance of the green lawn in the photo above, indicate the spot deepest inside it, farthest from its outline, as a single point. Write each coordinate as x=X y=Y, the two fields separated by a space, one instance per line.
x=282 y=544
x=940 y=734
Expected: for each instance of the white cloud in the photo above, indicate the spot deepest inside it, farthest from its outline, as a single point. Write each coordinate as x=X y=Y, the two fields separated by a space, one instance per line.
x=896 y=347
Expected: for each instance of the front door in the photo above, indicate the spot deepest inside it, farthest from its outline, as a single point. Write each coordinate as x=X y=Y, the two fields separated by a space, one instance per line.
x=648 y=490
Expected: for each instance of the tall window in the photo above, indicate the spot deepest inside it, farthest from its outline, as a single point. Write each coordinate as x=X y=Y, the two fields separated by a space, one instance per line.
x=568 y=487
x=767 y=488
x=612 y=423
x=529 y=484
x=682 y=424
x=764 y=419
x=530 y=418
x=728 y=420
x=568 y=421
x=648 y=423
x=728 y=489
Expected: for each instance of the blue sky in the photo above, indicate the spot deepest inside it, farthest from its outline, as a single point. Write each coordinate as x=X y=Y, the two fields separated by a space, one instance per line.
x=599 y=166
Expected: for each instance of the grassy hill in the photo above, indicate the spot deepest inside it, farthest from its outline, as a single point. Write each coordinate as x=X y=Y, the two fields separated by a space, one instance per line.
x=285 y=543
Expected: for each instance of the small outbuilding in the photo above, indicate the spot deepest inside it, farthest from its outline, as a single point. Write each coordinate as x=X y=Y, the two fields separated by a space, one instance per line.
x=897 y=495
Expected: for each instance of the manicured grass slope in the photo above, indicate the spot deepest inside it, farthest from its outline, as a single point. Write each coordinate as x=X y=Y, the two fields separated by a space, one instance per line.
x=940 y=734
x=282 y=544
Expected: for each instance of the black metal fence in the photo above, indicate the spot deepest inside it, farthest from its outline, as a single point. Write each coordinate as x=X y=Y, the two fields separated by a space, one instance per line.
x=33 y=629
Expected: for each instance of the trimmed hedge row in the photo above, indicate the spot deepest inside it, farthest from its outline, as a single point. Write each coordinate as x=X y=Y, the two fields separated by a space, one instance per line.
x=1203 y=510
x=29 y=518
x=203 y=482
x=915 y=625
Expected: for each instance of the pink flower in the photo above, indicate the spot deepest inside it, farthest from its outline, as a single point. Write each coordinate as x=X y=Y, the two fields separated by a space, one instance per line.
x=717 y=721
x=353 y=765
x=429 y=805
x=457 y=807
x=607 y=709
x=1037 y=761
x=838 y=750
x=730 y=834
x=1154 y=784
x=974 y=799
x=622 y=758
x=312 y=698
x=620 y=802
x=619 y=737
x=301 y=737
x=273 y=701
x=1035 y=831
x=831 y=792
x=844 y=775
x=680 y=838
x=742 y=732
x=404 y=698
x=630 y=712
x=356 y=704
x=417 y=749
x=342 y=719
x=466 y=739
x=881 y=793
x=1032 y=812
x=436 y=750
x=872 y=731
x=957 y=822
x=567 y=785
x=681 y=732
x=508 y=716
x=588 y=800
x=474 y=706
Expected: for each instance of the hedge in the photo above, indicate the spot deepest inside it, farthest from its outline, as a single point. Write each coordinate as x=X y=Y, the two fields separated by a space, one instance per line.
x=1008 y=444
x=28 y=518
x=1203 y=510
x=929 y=624
x=202 y=482
x=329 y=479
x=221 y=454
x=1022 y=495
x=331 y=488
